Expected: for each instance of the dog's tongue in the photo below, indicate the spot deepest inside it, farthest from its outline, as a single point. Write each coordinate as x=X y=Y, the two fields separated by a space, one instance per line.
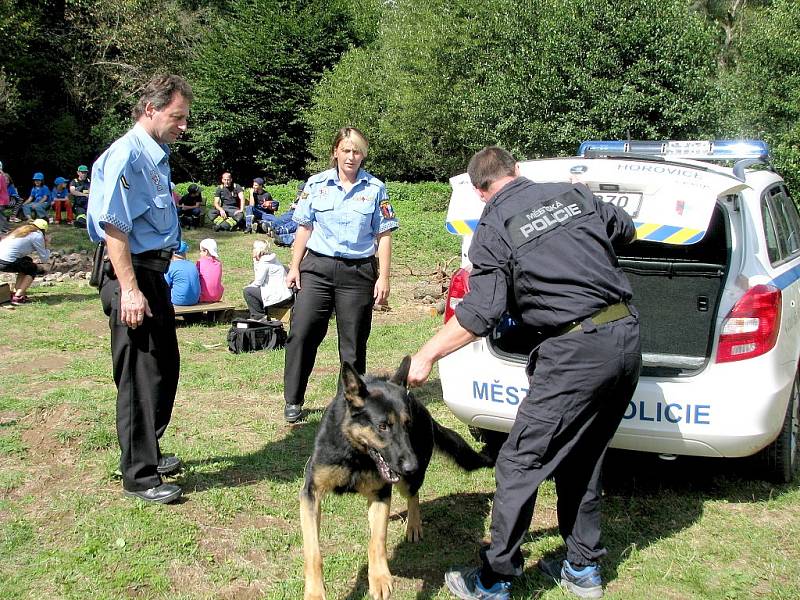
x=383 y=468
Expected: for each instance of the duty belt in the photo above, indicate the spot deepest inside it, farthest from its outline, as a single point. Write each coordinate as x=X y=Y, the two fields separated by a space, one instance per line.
x=153 y=260
x=615 y=312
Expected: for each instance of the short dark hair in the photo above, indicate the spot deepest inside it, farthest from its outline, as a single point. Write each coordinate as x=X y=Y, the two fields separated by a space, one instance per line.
x=490 y=164
x=193 y=188
x=159 y=91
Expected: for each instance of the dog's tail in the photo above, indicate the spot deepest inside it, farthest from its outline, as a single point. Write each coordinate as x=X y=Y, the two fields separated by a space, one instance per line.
x=452 y=444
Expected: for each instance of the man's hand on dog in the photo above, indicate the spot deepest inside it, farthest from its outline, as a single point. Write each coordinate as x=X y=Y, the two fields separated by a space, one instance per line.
x=419 y=370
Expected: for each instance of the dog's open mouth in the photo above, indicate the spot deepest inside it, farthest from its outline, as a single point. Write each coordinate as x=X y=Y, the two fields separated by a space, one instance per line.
x=383 y=467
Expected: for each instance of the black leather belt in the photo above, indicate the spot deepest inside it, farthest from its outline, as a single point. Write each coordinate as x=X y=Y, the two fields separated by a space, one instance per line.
x=609 y=314
x=153 y=260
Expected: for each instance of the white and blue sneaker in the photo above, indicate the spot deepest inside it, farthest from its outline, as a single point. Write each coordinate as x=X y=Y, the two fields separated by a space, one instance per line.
x=466 y=585
x=584 y=582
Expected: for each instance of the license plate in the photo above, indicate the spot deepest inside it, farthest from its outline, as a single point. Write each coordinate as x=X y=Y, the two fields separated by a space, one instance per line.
x=630 y=202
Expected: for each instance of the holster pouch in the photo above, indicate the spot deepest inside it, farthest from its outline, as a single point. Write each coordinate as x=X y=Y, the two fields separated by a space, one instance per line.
x=98 y=266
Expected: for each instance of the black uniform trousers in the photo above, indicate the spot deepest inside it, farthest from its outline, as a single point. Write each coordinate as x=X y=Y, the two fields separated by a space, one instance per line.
x=581 y=384
x=327 y=284
x=146 y=367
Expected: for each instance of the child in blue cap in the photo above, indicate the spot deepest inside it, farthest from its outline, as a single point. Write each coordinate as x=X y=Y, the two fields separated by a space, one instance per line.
x=61 y=200
x=38 y=201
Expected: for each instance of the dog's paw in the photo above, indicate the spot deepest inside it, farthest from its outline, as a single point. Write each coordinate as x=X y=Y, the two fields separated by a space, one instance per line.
x=314 y=592
x=414 y=531
x=380 y=586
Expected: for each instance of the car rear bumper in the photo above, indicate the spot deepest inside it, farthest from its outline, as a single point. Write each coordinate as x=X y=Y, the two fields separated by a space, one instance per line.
x=729 y=410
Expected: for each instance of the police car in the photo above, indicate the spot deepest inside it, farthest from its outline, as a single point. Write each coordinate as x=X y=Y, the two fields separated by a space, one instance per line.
x=714 y=271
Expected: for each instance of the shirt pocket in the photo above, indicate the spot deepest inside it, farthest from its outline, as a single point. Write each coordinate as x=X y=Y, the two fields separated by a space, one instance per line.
x=359 y=217
x=160 y=213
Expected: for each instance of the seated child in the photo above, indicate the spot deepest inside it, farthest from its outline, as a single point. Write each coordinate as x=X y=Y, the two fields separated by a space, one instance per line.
x=210 y=270
x=268 y=287
x=61 y=200
x=183 y=278
x=38 y=202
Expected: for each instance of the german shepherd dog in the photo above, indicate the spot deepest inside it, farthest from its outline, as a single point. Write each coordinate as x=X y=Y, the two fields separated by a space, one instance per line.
x=373 y=435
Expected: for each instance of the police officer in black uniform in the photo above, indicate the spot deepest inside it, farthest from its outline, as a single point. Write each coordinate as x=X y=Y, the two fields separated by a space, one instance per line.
x=545 y=252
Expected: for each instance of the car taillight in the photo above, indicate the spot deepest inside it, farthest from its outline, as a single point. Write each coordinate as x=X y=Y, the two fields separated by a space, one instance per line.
x=459 y=286
x=751 y=328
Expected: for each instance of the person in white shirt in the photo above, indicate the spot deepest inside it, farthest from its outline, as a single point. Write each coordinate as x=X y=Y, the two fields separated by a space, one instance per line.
x=268 y=288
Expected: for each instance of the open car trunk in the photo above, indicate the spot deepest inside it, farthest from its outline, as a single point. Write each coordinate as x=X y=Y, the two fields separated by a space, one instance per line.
x=676 y=289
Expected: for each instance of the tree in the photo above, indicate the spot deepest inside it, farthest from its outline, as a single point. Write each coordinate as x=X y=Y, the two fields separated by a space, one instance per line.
x=254 y=74
x=764 y=85
x=536 y=77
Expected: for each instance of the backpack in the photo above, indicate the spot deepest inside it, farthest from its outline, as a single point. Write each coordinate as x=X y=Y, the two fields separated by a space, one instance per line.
x=246 y=335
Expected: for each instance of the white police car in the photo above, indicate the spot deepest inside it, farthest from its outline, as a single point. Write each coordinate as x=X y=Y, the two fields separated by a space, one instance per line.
x=714 y=271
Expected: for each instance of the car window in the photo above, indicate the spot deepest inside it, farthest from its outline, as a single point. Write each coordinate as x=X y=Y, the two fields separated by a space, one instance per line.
x=786 y=221
x=789 y=211
x=770 y=236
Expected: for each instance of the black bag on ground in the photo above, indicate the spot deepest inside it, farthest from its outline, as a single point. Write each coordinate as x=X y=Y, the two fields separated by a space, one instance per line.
x=246 y=335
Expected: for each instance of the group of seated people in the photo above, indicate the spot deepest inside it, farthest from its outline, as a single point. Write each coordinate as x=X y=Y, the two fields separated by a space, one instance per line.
x=67 y=198
x=232 y=210
x=192 y=283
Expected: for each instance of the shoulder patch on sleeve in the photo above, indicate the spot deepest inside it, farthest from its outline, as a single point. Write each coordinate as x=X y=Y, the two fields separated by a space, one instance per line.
x=386 y=209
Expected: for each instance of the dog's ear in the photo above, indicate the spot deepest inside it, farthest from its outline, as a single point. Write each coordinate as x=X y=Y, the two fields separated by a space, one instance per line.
x=354 y=388
x=401 y=376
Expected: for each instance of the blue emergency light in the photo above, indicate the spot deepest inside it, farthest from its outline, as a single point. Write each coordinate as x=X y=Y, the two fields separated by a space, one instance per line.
x=694 y=149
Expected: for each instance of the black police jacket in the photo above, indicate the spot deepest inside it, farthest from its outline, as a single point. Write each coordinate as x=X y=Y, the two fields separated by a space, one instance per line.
x=544 y=252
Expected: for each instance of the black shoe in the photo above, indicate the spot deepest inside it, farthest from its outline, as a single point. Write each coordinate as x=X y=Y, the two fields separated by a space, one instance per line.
x=292 y=412
x=167 y=465
x=161 y=494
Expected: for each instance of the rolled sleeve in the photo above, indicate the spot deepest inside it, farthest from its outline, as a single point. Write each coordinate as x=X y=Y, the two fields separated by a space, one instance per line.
x=489 y=281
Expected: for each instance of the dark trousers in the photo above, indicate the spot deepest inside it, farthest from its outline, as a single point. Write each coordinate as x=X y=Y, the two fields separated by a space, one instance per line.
x=580 y=386
x=146 y=365
x=252 y=297
x=327 y=285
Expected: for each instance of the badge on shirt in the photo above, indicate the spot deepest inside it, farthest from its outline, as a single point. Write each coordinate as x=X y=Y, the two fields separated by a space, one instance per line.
x=303 y=195
x=154 y=177
x=386 y=209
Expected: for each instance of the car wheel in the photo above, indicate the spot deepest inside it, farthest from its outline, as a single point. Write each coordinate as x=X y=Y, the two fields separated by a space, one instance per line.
x=780 y=458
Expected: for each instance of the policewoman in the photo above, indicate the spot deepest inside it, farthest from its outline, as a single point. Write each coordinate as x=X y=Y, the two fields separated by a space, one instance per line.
x=546 y=253
x=340 y=262
x=131 y=208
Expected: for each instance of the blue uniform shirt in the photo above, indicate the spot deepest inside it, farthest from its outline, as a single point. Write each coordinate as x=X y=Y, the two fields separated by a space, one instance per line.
x=40 y=193
x=130 y=190
x=345 y=224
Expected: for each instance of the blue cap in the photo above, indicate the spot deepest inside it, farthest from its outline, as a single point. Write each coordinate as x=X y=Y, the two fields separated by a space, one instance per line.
x=38 y=176
x=182 y=249
x=60 y=180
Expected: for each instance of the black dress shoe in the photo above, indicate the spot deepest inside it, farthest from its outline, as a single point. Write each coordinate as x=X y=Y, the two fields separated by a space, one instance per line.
x=292 y=412
x=161 y=494
x=167 y=465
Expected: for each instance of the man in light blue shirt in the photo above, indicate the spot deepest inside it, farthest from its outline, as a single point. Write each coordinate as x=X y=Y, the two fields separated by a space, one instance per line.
x=131 y=208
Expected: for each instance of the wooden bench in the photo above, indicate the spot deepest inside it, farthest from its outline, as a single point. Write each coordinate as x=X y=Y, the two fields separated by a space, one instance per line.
x=217 y=312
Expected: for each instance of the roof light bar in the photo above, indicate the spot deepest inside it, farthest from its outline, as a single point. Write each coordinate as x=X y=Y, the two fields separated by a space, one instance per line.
x=695 y=149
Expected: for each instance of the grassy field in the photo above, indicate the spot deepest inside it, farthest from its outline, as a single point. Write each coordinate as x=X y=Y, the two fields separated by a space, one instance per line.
x=686 y=529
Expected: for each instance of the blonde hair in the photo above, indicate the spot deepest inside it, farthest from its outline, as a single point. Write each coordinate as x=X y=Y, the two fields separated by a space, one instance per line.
x=352 y=134
x=24 y=230
x=260 y=248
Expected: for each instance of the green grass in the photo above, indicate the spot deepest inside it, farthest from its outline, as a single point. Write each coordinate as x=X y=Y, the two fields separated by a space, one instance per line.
x=689 y=529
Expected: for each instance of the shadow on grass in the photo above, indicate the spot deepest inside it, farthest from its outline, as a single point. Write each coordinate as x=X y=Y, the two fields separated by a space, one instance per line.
x=646 y=500
x=281 y=460
x=451 y=527
x=53 y=299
